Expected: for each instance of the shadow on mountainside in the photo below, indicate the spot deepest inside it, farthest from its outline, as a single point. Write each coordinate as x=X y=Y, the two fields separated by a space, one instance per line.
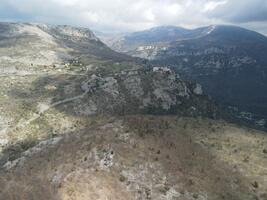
x=60 y=99
x=68 y=150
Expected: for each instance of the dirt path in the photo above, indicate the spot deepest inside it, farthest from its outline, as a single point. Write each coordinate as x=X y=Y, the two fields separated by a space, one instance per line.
x=39 y=74
x=42 y=108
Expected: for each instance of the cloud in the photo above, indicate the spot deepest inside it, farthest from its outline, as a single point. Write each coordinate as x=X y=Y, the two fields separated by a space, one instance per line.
x=242 y=11
x=131 y=15
x=212 y=5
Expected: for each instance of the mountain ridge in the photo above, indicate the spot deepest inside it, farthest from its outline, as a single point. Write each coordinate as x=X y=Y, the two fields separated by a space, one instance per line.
x=228 y=61
x=164 y=34
x=42 y=44
x=101 y=125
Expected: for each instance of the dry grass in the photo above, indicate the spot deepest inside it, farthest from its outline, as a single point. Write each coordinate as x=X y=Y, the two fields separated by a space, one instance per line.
x=158 y=158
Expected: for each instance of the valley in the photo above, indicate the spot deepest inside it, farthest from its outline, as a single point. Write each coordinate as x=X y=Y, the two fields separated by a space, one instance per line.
x=92 y=123
x=228 y=61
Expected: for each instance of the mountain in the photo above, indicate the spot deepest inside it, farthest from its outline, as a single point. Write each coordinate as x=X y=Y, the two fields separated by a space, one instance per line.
x=90 y=123
x=229 y=62
x=40 y=44
x=157 y=91
x=158 y=36
x=127 y=134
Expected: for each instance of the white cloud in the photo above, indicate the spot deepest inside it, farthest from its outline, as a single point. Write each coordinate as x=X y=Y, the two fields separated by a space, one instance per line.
x=130 y=15
x=66 y=2
x=149 y=15
x=90 y=17
x=242 y=11
x=175 y=9
x=211 y=5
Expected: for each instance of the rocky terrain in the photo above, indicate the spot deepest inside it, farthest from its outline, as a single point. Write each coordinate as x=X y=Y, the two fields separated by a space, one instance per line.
x=95 y=127
x=142 y=157
x=229 y=62
x=38 y=46
x=133 y=91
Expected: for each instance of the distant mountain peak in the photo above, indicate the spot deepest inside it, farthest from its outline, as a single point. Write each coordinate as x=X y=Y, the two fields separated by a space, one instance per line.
x=167 y=27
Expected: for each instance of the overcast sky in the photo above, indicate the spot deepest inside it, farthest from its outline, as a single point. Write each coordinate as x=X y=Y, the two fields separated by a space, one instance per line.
x=133 y=15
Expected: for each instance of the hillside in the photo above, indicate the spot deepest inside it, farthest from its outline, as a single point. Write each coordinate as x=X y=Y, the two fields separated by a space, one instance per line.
x=229 y=62
x=153 y=38
x=43 y=45
x=96 y=124
x=72 y=137
x=142 y=157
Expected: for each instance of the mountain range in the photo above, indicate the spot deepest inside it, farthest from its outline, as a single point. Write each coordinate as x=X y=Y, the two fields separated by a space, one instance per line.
x=80 y=120
x=228 y=61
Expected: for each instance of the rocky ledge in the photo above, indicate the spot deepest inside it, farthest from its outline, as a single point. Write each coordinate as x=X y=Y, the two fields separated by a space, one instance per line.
x=144 y=91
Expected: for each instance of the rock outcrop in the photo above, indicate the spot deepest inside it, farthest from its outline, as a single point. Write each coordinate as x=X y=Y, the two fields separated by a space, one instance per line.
x=144 y=91
x=229 y=62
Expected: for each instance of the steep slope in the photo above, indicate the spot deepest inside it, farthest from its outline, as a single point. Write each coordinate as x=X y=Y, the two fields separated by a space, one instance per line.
x=83 y=42
x=156 y=35
x=230 y=62
x=26 y=100
x=117 y=130
x=67 y=106
x=152 y=39
x=157 y=91
x=28 y=44
x=25 y=44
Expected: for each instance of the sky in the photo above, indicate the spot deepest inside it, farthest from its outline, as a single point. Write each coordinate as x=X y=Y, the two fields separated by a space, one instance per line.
x=135 y=15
